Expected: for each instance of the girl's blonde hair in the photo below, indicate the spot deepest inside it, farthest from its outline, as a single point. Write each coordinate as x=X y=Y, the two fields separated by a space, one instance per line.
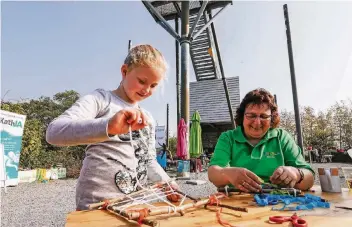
x=147 y=56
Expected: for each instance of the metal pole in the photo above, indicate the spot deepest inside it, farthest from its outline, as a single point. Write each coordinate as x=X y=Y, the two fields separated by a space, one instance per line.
x=340 y=134
x=184 y=41
x=129 y=45
x=222 y=73
x=177 y=45
x=162 y=22
x=310 y=142
x=275 y=99
x=293 y=79
x=167 y=125
x=168 y=29
x=209 y=22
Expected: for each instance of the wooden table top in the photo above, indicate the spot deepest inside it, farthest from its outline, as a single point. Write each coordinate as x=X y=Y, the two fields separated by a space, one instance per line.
x=256 y=216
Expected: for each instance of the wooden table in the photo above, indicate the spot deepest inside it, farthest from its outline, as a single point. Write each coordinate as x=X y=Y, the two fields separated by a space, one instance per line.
x=256 y=216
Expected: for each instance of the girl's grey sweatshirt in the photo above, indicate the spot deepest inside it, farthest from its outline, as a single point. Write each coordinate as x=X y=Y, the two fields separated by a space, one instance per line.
x=113 y=165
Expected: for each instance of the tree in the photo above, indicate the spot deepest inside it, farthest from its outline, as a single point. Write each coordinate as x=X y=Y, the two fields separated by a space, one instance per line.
x=308 y=122
x=322 y=135
x=66 y=99
x=342 y=119
x=12 y=107
x=31 y=144
x=172 y=145
x=287 y=122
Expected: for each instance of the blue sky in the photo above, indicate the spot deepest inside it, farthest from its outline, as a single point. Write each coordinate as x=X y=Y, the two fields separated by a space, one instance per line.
x=50 y=47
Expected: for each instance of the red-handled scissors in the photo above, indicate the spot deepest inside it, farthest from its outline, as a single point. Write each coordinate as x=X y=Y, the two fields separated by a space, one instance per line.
x=296 y=221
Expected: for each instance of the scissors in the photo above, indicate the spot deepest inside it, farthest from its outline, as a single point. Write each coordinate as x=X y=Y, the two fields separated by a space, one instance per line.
x=296 y=221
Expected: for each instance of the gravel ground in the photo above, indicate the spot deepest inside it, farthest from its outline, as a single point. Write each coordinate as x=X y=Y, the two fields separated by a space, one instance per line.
x=47 y=204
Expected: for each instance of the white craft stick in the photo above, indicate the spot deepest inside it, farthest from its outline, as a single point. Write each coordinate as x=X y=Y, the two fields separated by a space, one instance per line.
x=183 y=199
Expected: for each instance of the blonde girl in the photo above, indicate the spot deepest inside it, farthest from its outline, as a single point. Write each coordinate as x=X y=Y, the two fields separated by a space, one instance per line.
x=120 y=135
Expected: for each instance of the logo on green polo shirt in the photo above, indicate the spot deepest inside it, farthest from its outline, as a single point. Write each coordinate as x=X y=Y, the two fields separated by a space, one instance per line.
x=270 y=154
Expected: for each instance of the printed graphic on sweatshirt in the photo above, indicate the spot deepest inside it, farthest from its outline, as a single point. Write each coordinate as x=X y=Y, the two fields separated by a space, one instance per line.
x=126 y=179
x=126 y=136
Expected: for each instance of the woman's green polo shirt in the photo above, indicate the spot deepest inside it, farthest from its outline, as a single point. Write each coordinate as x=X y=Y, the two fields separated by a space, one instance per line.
x=277 y=148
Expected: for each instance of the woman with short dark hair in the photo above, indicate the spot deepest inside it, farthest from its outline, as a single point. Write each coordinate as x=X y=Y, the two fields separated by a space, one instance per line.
x=258 y=149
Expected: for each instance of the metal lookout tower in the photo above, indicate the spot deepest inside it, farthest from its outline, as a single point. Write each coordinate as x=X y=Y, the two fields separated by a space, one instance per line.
x=198 y=43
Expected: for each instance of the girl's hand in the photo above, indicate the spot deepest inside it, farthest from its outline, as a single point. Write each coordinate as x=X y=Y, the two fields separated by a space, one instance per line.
x=121 y=121
x=173 y=197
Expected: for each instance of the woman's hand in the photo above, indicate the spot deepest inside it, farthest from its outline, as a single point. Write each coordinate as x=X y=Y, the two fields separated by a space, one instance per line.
x=242 y=179
x=121 y=121
x=286 y=176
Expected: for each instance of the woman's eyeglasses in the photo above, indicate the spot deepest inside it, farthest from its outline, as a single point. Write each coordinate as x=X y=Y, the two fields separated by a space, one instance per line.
x=262 y=117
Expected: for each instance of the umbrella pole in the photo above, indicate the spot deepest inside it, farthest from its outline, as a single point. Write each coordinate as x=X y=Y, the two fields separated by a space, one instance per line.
x=185 y=43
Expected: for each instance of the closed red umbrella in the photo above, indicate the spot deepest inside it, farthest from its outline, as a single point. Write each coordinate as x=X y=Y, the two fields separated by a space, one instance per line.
x=181 y=149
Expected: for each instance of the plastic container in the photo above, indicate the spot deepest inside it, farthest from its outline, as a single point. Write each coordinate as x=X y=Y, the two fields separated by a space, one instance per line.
x=161 y=160
x=183 y=168
x=329 y=179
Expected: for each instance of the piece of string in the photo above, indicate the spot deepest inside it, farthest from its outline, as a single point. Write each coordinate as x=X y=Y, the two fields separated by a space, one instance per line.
x=213 y=199
x=143 y=197
x=222 y=222
x=184 y=196
x=106 y=204
x=139 y=200
x=164 y=200
x=135 y=160
x=183 y=199
x=143 y=213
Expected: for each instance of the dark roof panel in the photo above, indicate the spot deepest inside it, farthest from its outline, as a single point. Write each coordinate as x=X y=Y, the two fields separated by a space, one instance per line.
x=171 y=9
x=208 y=97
